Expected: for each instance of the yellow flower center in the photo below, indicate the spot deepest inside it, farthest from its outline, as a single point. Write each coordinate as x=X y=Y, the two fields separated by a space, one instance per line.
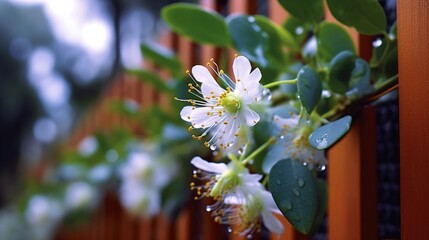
x=230 y=101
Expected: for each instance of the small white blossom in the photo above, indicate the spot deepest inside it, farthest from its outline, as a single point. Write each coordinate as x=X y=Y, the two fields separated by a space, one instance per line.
x=79 y=195
x=295 y=135
x=240 y=198
x=223 y=112
x=139 y=199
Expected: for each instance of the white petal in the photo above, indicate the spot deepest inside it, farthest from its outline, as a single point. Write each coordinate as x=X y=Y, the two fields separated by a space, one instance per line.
x=241 y=68
x=269 y=203
x=208 y=166
x=203 y=75
x=271 y=222
x=251 y=116
x=200 y=117
x=251 y=178
x=288 y=123
x=210 y=90
x=255 y=75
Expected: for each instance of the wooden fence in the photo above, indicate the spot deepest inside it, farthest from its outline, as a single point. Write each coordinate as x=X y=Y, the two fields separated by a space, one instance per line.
x=352 y=175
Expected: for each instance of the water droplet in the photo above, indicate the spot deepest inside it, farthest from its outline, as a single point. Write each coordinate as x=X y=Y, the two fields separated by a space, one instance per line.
x=299 y=30
x=112 y=155
x=278 y=182
x=286 y=205
x=229 y=229
x=208 y=208
x=305 y=164
x=249 y=236
x=250 y=162
x=282 y=137
x=301 y=182
x=251 y=19
x=322 y=142
x=280 y=172
x=194 y=171
x=296 y=192
x=377 y=43
x=240 y=151
x=321 y=168
x=213 y=147
x=266 y=95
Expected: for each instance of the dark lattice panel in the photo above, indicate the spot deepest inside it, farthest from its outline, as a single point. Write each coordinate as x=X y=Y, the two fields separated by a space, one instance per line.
x=388 y=170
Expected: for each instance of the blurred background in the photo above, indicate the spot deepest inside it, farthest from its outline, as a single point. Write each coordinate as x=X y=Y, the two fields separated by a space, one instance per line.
x=56 y=57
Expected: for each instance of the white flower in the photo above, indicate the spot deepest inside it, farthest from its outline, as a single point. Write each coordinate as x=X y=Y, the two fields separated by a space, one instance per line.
x=295 y=136
x=138 y=199
x=43 y=210
x=241 y=198
x=146 y=168
x=79 y=195
x=223 y=112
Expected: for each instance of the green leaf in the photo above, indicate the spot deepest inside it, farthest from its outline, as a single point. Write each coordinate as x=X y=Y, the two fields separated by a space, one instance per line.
x=298 y=29
x=367 y=16
x=332 y=39
x=305 y=10
x=328 y=134
x=163 y=57
x=340 y=71
x=200 y=25
x=360 y=78
x=151 y=78
x=253 y=42
x=279 y=34
x=295 y=192
x=309 y=88
x=322 y=204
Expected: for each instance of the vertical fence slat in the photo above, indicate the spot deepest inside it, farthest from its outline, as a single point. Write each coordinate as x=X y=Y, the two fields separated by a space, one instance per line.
x=413 y=46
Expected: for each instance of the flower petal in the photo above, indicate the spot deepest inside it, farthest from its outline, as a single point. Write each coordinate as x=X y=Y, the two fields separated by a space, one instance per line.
x=251 y=116
x=286 y=123
x=271 y=222
x=200 y=117
x=241 y=68
x=255 y=75
x=208 y=166
x=203 y=75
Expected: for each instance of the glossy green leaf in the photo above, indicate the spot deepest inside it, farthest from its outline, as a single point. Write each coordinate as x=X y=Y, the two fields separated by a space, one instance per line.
x=309 y=88
x=253 y=42
x=340 y=71
x=162 y=57
x=367 y=16
x=360 y=78
x=153 y=79
x=332 y=39
x=305 y=10
x=298 y=29
x=281 y=35
x=326 y=135
x=322 y=204
x=295 y=192
x=200 y=25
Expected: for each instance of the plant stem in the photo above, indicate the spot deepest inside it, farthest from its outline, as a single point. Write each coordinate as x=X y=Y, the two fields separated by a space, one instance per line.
x=273 y=84
x=257 y=151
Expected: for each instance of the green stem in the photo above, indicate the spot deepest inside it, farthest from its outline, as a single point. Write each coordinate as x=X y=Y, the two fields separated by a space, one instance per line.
x=265 y=180
x=257 y=151
x=273 y=84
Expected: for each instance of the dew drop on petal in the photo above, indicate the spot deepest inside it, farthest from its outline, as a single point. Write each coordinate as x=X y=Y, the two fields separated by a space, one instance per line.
x=208 y=208
x=305 y=164
x=301 y=182
x=266 y=95
x=213 y=147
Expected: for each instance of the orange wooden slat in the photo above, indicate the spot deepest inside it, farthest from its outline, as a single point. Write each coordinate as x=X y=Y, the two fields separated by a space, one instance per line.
x=413 y=46
x=352 y=210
